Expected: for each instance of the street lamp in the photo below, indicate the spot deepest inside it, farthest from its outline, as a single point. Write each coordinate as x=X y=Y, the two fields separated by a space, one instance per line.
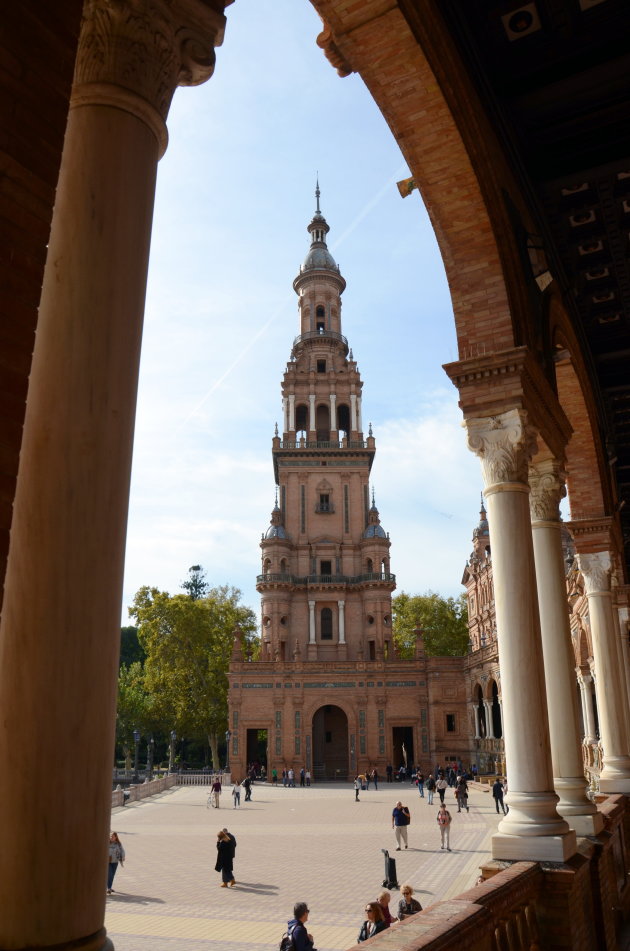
x=171 y=757
x=150 y=749
x=227 y=750
x=136 y=740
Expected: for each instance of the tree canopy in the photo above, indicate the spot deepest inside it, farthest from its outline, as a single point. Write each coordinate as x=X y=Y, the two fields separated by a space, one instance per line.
x=188 y=643
x=444 y=622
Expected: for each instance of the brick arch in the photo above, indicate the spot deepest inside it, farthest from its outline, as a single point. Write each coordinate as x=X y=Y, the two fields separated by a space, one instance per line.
x=587 y=480
x=412 y=73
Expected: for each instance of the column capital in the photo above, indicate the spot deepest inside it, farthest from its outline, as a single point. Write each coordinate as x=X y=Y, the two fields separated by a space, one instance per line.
x=596 y=570
x=133 y=54
x=547 y=485
x=505 y=444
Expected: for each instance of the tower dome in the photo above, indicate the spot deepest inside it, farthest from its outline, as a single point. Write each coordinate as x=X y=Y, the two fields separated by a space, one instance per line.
x=318 y=257
x=276 y=528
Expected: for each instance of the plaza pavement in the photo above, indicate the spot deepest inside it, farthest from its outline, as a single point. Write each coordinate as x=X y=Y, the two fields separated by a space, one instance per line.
x=315 y=845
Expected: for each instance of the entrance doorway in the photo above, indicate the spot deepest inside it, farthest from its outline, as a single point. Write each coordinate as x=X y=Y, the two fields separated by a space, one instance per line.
x=402 y=747
x=330 y=744
x=257 y=749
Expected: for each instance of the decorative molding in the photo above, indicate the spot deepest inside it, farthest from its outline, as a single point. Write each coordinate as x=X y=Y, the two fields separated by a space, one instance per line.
x=147 y=48
x=505 y=444
x=333 y=54
x=547 y=484
x=596 y=571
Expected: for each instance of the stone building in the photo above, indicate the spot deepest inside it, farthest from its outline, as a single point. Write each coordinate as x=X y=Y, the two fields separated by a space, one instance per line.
x=329 y=692
x=513 y=121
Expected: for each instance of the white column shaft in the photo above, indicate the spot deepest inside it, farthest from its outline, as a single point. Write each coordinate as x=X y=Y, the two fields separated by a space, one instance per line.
x=291 y=413
x=311 y=622
x=333 y=411
x=311 y=421
x=342 y=622
x=353 y=412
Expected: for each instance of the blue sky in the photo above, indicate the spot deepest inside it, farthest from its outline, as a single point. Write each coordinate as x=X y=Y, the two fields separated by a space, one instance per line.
x=235 y=193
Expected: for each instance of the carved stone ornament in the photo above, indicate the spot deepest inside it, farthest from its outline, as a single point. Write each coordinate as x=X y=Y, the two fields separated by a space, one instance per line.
x=333 y=54
x=546 y=480
x=595 y=570
x=505 y=444
x=148 y=47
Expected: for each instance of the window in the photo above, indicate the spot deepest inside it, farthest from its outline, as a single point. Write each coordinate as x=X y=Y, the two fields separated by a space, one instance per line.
x=235 y=720
x=324 y=502
x=298 y=745
x=321 y=366
x=381 y=719
x=372 y=650
x=278 y=719
x=450 y=722
x=362 y=745
x=325 y=567
x=297 y=721
x=362 y=719
x=326 y=624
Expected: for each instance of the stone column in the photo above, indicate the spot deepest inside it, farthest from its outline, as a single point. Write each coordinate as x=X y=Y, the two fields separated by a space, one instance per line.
x=359 y=415
x=311 y=622
x=285 y=415
x=311 y=413
x=353 y=412
x=342 y=621
x=489 y=721
x=622 y=615
x=615 y=775
x=588 y=712
x=476 y=722
x=532 y=828
x=291 y=413
x=333 y=411
x=546 y=480
x=59 y=633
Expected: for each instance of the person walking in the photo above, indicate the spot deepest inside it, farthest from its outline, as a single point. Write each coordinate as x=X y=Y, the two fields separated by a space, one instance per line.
x=497 y=794
x=444 y=819
x=374 y=924
x=291 y=778
x=226 y=849
x=236 y=794
x=389 y=769
x=116 y=858
x=375 y=778
x=302 y=778
x=430 y=789
x=420 y=781
x=247 y=786
x=357 y=787
x=308 y=777
x=441 y=787
x=461 y=792
x=298 y=936
x=274 y=777
x=407 y=906
x=215 y=792
x=400 y=820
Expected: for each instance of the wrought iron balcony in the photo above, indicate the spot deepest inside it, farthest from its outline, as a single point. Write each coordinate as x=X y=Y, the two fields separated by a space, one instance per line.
x=322 y=444
x=324 y=508
x=303 y=580
x=320 y=335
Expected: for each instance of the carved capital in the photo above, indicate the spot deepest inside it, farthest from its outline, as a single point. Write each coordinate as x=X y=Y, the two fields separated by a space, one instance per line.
x=505 y=444
x=596 y=570
x=146 y=48
x=547 y=484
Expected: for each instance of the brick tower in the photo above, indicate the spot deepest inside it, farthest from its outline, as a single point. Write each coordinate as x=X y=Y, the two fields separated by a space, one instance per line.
x=318 y=696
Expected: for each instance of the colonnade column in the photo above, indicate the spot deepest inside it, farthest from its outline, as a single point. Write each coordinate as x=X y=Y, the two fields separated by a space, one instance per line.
x=489 y=721
x=291 y=413
x=353 y=412
x=311 y=622
x=532 y=829
x=342 y=621
x=611 y=699
x=476 y=722
x=311 y=412
x=59 y=634
x=586 y=691
x=546 y=481
x=333 y=411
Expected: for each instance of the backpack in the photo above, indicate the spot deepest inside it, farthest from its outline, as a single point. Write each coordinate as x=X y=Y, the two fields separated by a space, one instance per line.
x=286 y=942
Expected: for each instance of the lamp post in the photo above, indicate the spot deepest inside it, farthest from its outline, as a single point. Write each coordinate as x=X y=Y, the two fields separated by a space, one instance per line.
x=171 y=757
x=136 y=740
x=227 y=750
x=150 y=749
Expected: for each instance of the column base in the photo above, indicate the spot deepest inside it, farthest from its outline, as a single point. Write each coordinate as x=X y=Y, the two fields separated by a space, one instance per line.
x=591 y=824
x=534 y=848
x=311 y=651
x=614 y=784
x=94 y=942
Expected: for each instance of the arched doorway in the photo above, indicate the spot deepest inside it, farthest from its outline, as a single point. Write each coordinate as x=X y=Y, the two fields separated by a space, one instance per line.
x=330 y=743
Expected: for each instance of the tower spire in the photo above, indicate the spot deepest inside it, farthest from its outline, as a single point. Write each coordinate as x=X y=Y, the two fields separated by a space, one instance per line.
x=317 y=193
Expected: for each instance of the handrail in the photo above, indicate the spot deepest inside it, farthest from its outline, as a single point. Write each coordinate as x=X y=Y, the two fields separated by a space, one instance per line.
x=322 y=444
x=370 y=576
x=318 y=334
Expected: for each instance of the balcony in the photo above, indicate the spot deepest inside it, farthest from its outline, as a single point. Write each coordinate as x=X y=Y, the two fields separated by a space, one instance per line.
x=312 y=335
x=324 y=508
x=323 y=444
x=301 y=581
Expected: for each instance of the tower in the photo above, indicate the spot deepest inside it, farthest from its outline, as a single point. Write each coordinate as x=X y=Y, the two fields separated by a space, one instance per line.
x=328 y=692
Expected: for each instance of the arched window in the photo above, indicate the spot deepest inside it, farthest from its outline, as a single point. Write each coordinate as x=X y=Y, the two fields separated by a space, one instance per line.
x=343 y=420
x=370 y=566
x=267 y=566
x=322 y=422
x=320 y=319
x=283 y=566
x=497 y=726
x=326 y=624
x=481 y=713
x=301 y=419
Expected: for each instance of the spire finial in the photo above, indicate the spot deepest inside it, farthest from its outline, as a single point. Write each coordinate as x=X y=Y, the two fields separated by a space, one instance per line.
x=276 y=497
x=373 y=503
x=317 y=193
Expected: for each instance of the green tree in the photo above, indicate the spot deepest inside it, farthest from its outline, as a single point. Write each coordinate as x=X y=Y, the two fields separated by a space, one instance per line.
x=443 y=620
x=135 y=708
x=196 y=584
x=130 y=648
x=188 y=643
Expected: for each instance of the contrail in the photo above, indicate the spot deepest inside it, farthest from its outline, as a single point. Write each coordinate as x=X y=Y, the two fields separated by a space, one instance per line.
x=342 y=237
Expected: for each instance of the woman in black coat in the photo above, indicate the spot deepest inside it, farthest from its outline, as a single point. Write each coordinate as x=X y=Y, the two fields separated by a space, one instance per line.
x=226 y=848
x=375 y=922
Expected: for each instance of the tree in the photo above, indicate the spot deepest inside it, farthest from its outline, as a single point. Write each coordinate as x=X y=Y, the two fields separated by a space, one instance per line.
x=134 y=710
x=130 y=648
x=196 y=585
x=188 y=642
x=444 y=622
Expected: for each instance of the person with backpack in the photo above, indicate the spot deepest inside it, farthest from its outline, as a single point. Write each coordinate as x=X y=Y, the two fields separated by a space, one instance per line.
x=297 y=937
x=444 y=819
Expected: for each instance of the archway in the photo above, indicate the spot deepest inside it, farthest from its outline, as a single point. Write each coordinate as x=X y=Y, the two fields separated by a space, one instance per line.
x=330 y=744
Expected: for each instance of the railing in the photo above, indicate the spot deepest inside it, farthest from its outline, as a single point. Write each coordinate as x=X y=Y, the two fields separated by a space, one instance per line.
x=318 y=335
x=322 y=444
x=301 y=581
x=325 y=507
